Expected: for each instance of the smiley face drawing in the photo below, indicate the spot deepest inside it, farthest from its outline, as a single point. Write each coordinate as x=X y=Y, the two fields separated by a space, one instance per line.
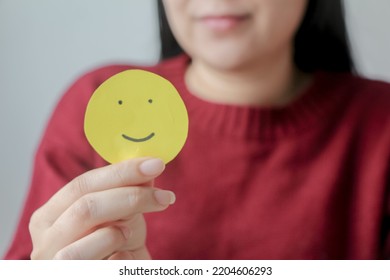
x=136 y=113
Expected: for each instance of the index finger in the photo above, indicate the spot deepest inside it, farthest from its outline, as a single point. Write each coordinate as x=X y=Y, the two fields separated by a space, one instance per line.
x=127 y=173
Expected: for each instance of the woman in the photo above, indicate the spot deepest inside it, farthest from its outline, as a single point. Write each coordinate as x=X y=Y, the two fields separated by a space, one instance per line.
x=287 y=155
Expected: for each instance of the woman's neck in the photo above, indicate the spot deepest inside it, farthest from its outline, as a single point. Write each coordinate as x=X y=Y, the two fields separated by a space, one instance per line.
x=274 y=82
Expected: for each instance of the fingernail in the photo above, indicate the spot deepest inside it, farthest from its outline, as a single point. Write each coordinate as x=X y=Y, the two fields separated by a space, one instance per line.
x=152 y=167
x=165 y=197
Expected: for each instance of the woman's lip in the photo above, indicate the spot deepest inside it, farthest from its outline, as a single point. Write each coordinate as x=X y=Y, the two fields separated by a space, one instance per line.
x=222 y=22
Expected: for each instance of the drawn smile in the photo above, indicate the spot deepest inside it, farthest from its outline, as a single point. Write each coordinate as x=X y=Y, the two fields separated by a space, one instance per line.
x=150 y=136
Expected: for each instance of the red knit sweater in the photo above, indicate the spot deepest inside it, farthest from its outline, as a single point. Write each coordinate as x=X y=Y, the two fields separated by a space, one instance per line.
x=309 y=181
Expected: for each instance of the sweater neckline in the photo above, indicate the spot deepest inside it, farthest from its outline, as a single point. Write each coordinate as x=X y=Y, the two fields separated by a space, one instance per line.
x=238 y=121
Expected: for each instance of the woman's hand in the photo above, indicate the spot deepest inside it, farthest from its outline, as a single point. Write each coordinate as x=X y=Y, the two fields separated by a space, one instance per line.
x=98 y=215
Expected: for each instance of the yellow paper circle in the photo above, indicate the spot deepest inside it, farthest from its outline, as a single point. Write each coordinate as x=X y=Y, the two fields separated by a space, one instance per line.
x=135 y=114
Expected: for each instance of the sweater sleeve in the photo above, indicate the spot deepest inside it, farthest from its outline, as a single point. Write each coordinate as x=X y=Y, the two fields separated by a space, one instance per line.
x=387 y=222
x=63 y=154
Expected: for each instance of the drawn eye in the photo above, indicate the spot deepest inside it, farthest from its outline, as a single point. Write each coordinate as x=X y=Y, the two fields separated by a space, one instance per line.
x=150 y=101
x=120 y=102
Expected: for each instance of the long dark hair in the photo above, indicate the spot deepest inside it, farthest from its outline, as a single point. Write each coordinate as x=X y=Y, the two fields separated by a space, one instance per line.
x=321 y=42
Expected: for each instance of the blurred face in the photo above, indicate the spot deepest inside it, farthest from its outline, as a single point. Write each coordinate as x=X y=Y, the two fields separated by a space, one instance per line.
x=230 y=34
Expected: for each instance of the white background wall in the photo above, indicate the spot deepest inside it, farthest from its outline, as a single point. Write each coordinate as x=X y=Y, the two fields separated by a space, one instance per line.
x=46 y=44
